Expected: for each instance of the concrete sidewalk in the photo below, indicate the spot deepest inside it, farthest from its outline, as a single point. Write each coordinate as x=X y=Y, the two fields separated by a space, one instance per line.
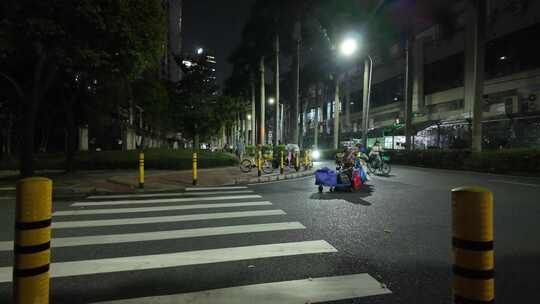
x=82 y=183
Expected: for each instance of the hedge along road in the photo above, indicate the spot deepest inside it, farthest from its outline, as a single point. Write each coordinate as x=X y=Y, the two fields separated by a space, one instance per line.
x=109 y=160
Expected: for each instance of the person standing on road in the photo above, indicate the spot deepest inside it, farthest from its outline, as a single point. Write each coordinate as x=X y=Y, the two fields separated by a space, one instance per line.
x=375 y=153
x=240 y=149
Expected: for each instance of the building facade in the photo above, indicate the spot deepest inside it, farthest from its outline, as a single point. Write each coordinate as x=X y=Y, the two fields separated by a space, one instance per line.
x=440 y=71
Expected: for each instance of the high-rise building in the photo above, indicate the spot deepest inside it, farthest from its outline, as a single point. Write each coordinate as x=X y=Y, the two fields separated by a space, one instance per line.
x=170 y=68
x=204 y=60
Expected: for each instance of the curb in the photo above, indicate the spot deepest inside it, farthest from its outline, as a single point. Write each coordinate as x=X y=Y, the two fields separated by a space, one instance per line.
x=272 y=178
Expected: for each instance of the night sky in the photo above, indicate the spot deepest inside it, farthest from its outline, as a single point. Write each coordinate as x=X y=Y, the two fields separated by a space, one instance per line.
x=216 y=25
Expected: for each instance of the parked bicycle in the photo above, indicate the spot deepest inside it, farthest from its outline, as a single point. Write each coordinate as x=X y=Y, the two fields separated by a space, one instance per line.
x=248 y=164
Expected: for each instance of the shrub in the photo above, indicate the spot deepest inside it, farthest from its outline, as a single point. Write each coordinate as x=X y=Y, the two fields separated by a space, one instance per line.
x=154 y=159
x=497 y=161
x=250 y=150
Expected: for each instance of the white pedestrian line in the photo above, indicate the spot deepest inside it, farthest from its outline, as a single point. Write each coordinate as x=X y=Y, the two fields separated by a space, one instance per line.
x=215 y=188
x=515 y=183
x=164 y=235
x=164 y=219
x=160 y=208
x=165 y=200
x=7 y=188
x=158 y=261
x=169 y=194
x=314 y=290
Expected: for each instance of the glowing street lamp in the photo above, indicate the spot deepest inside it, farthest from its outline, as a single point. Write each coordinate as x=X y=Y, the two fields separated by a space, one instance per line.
x=249 y=116
x=348 y=46
x=200 y=51
x=271 y=100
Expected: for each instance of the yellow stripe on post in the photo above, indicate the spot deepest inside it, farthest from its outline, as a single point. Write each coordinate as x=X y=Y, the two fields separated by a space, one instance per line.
x=259 y=163
x=472 y=240
x=281 y=163
x=31 y=282
x=141 y=170
x=195 y=177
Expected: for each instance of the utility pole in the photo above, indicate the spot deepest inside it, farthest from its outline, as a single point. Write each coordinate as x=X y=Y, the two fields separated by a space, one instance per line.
x=337 y=107
x=317 y=118
x=277 y=116
x=368 y=65
x=296 y=101
x=408 y=92
x=253 y=114
x=262 y=139
x=474 y=68
x=347 y=107
x=246 y=130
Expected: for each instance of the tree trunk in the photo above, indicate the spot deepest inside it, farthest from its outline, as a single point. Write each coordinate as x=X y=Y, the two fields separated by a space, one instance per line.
x=474 y=69
x=337 y=107
x=196 y=142
x=31 y=103
x=366 y=100
x=45 y=133
x=301 y=125
x=296 y=94
x=71 y=137
x=408 y=93
x=253 y=115
x=262 y=139
x=28 y=136
x=277 y=118
x=318 y=114
x=347 y=125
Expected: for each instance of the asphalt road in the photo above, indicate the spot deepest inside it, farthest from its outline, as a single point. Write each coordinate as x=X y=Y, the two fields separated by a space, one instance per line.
x=388 y=243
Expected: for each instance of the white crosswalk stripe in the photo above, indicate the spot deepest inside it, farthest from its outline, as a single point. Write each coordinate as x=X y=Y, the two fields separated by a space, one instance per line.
x=312 y=291
x=168 y=194
x=163 y=219
x=215 y=188
x=161 y=208
x=251 y=229
x=86 y=267
x=164 y=235
x=165 y=200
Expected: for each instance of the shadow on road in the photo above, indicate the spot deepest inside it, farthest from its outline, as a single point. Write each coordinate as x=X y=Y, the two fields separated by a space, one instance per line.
x=351 y=197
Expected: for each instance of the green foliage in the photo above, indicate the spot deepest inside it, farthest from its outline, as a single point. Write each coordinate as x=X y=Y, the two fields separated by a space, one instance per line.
x=109 y=160
x=153 y=96
x=496 y=161
x=193 y=105
x=198 y=110
x=250 y=150
x=77 y=48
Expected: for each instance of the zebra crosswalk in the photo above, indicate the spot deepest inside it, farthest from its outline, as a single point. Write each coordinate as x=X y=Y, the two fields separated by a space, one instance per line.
x=200 y=240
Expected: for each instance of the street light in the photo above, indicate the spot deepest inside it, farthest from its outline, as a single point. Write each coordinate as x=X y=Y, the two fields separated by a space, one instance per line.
x=249 y=116
x=200 y=51
x=271 y=100
x=348 y=47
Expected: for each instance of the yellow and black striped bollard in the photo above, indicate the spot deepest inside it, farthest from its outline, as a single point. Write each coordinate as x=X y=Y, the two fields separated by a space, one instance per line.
x=141 y=170
x=32 y=241
x=472 y=241
x=281 y=163
x=195 y=177
x=259 y=163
